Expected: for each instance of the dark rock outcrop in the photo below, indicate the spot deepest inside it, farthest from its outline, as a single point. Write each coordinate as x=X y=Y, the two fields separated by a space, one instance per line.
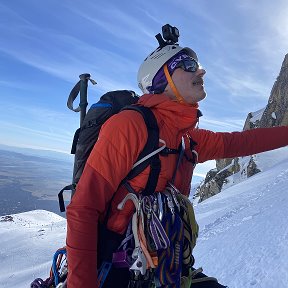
x=276 y=112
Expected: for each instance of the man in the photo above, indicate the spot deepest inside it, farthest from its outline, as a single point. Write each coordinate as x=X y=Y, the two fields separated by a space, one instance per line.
x=173 y=83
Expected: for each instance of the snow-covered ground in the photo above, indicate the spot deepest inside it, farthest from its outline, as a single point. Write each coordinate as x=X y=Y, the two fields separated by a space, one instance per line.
x=243 y=237
x=27 y=245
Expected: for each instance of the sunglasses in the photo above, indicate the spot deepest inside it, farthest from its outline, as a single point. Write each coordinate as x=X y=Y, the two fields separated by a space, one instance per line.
x=188 y=65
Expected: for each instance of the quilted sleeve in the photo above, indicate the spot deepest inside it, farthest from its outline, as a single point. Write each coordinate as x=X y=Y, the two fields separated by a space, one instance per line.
x=218 y=145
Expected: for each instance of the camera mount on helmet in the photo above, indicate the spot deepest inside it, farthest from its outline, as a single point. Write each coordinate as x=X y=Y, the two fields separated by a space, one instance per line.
x=170 y=35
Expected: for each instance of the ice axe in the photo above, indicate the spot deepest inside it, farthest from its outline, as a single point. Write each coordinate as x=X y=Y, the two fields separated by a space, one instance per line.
x=82 y=87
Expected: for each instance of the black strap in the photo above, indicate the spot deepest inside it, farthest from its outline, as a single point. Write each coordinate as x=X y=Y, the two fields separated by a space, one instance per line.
x=155 y=168
x=181 y=153
x=167 y=151
x=151 y=145
x=192 y=143
x=75 y=140
x=72 y=96
x=75 y=91
x=70 y=187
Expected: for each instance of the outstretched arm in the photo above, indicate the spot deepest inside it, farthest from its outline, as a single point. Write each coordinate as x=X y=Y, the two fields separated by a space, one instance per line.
x=220 y=145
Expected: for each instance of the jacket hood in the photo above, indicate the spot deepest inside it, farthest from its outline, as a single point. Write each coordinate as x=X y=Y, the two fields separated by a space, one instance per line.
x=181 y=116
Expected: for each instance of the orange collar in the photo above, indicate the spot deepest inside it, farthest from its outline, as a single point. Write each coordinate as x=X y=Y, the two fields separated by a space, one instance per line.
x=181 y=116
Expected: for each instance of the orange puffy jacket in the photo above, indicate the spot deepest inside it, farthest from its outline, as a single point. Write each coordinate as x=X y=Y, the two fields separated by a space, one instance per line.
x=121 y=140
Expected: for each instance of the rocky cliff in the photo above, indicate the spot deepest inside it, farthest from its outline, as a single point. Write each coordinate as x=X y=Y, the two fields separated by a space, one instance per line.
x=276 y=111
x=274 y=114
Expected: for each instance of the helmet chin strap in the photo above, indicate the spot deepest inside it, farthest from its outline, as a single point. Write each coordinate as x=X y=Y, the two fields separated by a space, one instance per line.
x=178 y=96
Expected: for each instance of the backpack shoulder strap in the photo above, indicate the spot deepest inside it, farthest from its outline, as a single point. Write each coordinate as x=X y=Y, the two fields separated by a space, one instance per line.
x=152 y=144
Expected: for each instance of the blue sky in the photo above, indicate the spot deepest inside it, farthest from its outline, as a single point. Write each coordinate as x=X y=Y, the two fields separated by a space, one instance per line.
x=45 y=47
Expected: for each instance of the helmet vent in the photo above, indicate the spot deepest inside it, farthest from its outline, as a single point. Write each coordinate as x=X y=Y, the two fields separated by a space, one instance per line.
x=157 y=56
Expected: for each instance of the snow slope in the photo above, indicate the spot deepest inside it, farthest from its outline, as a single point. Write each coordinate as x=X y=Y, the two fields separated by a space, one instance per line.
x=244 y=233
x=243 y=237
x=27 y=245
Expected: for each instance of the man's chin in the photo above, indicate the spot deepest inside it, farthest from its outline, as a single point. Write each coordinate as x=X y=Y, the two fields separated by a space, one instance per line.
x=203 y=96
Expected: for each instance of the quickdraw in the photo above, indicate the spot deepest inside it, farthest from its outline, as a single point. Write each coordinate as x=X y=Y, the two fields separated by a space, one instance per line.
x=155 y=228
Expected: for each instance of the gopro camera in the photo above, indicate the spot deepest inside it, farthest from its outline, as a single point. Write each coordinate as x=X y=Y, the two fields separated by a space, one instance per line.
x=170 y=34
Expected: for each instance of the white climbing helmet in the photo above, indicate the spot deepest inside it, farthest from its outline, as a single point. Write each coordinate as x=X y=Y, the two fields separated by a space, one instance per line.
x=153 y=63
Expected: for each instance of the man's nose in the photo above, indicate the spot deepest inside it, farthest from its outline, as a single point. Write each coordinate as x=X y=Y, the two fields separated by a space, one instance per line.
x=201 y=72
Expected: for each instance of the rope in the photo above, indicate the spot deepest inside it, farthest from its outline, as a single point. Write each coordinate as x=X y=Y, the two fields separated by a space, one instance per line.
x=168 y=271
x=56 y=263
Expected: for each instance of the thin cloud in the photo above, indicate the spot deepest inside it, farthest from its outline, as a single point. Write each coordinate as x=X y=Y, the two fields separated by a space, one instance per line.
x=269 y=38
x=52 y=123
x=137 y=32
x=199 y=9
x=65 y=62
x=153 y=18
x=236 y=81
x=222 y=125
x=242 y=63
x=41 y=127
x=7 y=12
x=68 y=55
x=17 y=85
x=21 y=129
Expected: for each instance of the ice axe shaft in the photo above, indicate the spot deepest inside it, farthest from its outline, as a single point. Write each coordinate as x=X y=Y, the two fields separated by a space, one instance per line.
x=82 y=87
x=83 y=96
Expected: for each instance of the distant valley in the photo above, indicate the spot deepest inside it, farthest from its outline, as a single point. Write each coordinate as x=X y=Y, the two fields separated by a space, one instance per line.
x=29 y=182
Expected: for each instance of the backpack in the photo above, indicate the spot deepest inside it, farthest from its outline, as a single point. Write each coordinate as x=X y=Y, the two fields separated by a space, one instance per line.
x=86 y=136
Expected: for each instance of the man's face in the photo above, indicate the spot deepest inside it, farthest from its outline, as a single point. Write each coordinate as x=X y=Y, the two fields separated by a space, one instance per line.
x=190 y=84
